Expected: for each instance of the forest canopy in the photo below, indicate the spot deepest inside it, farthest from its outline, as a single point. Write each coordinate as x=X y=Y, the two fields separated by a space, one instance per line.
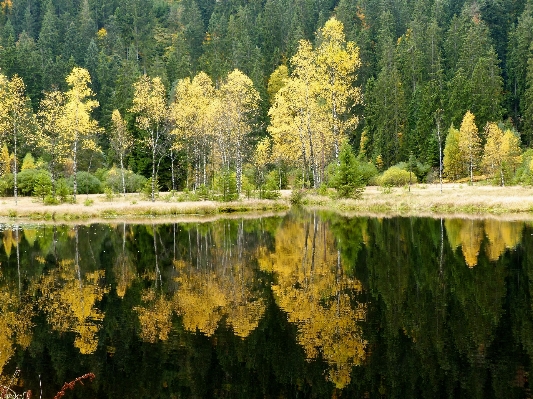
x=387 y=77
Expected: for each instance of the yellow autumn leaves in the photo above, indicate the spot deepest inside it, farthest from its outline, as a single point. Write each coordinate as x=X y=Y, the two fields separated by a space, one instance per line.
x=465 y=154
x=312 y=109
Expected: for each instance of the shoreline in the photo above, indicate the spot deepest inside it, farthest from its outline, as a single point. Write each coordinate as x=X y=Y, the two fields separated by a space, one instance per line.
x=423 y=200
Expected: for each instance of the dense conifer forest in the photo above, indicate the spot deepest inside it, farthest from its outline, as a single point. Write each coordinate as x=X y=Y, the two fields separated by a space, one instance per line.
x=232 y=78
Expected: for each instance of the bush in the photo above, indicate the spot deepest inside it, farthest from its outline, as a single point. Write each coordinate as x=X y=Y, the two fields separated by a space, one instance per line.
x=87 y=183
x=147 y=188
x=297 y=196
x=42 y=184
x=63 y=190
x=395 y=176
x=419 y=169
x=7 y=184
x=225 y=184
x=34 y=182
x=113 y=179
x=524 y=174
x=367 y=171
x=271 y=187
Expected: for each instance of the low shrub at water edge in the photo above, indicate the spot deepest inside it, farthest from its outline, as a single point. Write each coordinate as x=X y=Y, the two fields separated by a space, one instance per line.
x=394 y=176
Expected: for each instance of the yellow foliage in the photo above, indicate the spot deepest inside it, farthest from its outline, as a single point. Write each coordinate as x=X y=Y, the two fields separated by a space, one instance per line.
x=30 y=235
x=69 y=301
x=317 y=296
x=502 y=235
x=469 y=235
x=15 y=324
x=155 y=318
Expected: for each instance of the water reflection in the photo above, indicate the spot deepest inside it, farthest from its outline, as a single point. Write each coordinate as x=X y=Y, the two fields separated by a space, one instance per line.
x=318 y=296
x=469 y=234
x=309 y=304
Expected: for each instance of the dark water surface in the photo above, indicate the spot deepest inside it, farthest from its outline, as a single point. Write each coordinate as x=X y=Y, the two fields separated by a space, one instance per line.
x=305 y=305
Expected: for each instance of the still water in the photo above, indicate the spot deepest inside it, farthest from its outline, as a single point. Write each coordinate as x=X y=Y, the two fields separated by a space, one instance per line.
x=302 y=305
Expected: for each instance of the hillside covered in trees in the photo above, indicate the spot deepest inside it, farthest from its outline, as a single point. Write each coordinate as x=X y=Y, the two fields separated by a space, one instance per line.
x=189 y=90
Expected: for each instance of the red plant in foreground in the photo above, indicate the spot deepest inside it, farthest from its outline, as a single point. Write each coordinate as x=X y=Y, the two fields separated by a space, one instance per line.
x=71 y=384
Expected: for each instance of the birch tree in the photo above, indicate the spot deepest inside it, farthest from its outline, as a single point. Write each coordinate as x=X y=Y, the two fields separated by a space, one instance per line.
x=240 y=101
x=79 y=128
x=337 y=62
x=16 y=118
x=193 y=127
x=49 y=137
x=121 y=141
x=470 y=143
x=153 y=117
x=501 y=152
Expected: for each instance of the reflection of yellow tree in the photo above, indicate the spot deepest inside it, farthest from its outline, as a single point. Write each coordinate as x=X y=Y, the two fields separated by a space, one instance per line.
x=200 y=300
x=469 y=235
x=9 y=239
x=15 y=324
x=317 y=296
x=69 y=302
x=30 y=235
x=214 y=284
x=123 y=268
x=224 y=289
x=155 y=316
x=502 y=235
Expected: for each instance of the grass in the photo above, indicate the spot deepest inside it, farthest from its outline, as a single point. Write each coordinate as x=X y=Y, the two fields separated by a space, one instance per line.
x=427 y=199
x=130 y=207
x=424 y=199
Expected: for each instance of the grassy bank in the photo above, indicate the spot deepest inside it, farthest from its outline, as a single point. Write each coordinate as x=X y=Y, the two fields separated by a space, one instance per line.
x=428 y=200
x=99 y=207
x=421 y=200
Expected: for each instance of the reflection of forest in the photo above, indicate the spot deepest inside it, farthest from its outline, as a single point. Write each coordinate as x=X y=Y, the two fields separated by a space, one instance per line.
x=266 y=307
x=214 y=280
x=317 y=295
x=469 y=234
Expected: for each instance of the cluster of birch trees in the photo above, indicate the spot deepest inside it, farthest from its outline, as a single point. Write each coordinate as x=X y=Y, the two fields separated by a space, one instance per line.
x=465 y=153
x=61 y=128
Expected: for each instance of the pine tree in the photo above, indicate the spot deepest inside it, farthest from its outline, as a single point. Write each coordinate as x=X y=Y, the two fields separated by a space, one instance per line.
x=347 y=179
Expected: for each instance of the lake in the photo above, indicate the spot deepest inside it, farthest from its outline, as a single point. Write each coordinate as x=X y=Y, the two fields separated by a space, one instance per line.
x=302 y=305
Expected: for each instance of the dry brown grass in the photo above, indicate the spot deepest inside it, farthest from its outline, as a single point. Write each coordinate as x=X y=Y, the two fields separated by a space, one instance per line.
x=132 y=207
x=426 y=200
x=423 y=200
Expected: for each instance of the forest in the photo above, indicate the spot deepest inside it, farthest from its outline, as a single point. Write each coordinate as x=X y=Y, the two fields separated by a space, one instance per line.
x=238 y=95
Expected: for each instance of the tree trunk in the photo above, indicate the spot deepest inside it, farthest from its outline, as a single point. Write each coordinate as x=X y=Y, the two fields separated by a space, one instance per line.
x=122 y=171
x=153 y=174
x=15 y=164
x=75 y=166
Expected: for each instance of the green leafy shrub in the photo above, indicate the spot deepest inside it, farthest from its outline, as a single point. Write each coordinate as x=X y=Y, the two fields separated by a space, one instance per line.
x=524 y=173
x=50 y=200
x=34 y=182
x=113 y=179
x=42 y=184
x=297 y=196
x=63 y=190
x=271 y=187
x=225 y=184
x=7 y=184
x=87 y=183
x=395 y=176
x=147 y=188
